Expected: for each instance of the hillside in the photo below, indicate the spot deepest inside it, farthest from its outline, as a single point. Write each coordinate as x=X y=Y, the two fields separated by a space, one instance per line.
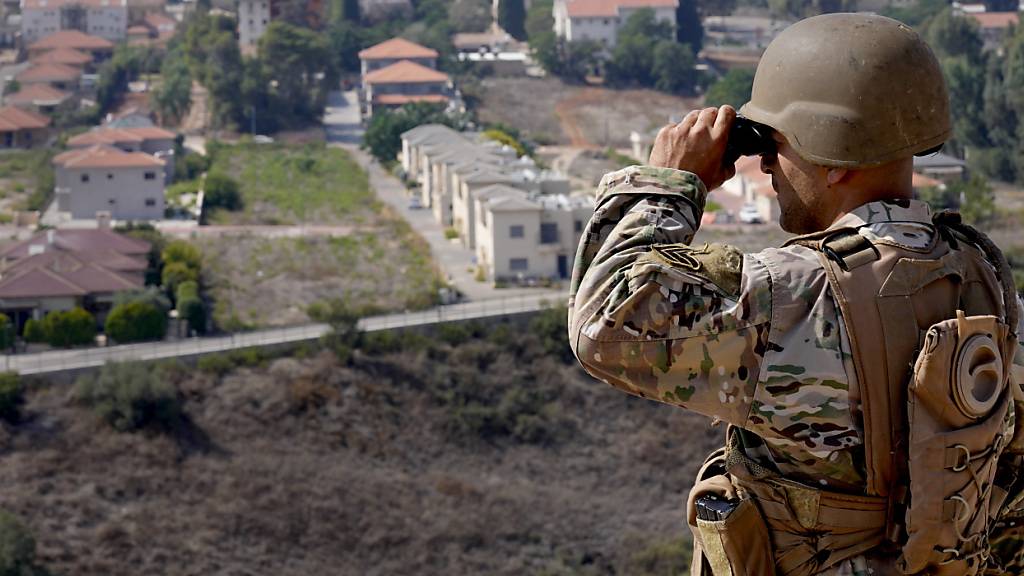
x=483 y=452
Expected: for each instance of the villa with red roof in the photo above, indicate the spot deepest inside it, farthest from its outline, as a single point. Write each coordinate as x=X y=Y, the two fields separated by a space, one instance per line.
x=56 y=76
x=398 y=72
x=151 y=140
x=22 y=128
x=64 y=57
x=41 y=98
x=61 y=269
x=600 y=20
x=99 y=48
x=105 y=179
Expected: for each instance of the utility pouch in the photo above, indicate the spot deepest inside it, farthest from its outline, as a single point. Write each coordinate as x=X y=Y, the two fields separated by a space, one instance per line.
x=958 y=414
x=736 y=545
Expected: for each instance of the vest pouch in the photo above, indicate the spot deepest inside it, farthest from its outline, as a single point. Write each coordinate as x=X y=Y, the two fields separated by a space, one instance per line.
x=735 y=546
x=958 y=415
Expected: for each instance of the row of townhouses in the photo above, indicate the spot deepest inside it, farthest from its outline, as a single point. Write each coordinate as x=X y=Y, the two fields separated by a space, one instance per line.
x=521 y=222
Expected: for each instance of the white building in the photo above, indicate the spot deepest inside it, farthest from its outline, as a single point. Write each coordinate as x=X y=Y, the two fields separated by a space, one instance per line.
x=600 y=20
x=107 y=19
x=523 y=236
x=128 y=185
x=253 y=19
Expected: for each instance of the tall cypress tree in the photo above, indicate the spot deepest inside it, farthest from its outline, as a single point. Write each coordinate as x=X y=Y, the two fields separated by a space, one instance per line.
x=512 y=17
x=689 y=29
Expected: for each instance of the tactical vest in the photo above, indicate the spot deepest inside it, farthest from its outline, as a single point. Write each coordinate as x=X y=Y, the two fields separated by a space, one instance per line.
x=932 y=345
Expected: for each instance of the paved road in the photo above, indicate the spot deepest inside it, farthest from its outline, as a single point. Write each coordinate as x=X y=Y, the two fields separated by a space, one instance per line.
x=342 y=127
x=61 y=360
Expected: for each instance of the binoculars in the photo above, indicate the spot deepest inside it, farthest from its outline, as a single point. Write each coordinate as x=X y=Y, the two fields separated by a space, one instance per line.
x=747 y=138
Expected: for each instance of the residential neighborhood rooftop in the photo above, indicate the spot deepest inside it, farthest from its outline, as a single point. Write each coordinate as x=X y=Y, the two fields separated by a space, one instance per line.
x=399 y=99
x=996 y=20
x=112 y=136
x=61 y=274
x=610 y=8
x=37 y=94
x=397 y=48
x=101 y=156
x=76 y=240
x=65 y=56
x=48 y=72
x=13 y=119
x=405 y=72
x=70 y=39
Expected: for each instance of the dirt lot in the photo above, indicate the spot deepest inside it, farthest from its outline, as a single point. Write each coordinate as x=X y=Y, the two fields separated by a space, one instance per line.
x=310 y=466
x=556 y=113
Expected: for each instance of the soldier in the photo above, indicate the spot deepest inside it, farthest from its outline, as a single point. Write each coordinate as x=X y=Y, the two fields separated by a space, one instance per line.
x=866 y=368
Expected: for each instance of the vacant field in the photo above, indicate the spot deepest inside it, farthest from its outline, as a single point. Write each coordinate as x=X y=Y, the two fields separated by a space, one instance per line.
x=257 y=281
x=289 y=184
x=492 y=455
x=26 y=181
x=556 y=113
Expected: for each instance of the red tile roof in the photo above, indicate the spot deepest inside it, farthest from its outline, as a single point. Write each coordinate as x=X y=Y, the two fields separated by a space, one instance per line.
x=49 y=72
x=997 y=20
x=399 y=99
x=56 y=275
x=610 y=8
x=37 y=94
x=70 y=39
x=113 y=136
x=395 y=49
x=78 y=241
x=66 y=56
x=59 y=3
x=138 y=31
x=158 y=21
x=100 y=156
x=13 y=119
x=922 y=181
x=405 y=72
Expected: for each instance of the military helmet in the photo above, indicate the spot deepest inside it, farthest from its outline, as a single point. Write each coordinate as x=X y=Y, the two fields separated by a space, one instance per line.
x=851 y=90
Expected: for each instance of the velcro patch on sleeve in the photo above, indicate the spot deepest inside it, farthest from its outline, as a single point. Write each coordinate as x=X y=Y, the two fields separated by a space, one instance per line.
x=720 y=264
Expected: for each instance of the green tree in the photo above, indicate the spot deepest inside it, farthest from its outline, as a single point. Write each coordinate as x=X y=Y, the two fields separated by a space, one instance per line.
x=383 y=135
x=33 y=331
x=175 y=273
x=214 y=59
x=190 y=306
x=221 y=191
x=183 y=252
x=173 y=97
x=732 y=89
x=344 y=11
x=917 y=13
x=539 y=19
x=136 y=322
x=74 y=327
x=951 y=36
x=674 y=68
x=512 y=18
x=976 y=199
x=632 y=60
x=345 y=43
x=295 y=61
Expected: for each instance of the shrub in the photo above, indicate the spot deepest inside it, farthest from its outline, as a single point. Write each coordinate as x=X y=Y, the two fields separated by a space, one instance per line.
x=151 y=295
x=221 y=191
x=187 y=289
x=11 y=396
x=131 y=396
x=191 y=310
x=217 y=364
x=17 y=547
x=136 y=322
x=450 y=233
x=6 y=332
x=33 y=331
x=177 y=273
x=74 y=327
x=182 y=252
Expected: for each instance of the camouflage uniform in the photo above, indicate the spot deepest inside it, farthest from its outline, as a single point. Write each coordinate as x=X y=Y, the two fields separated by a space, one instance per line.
x=754 y=340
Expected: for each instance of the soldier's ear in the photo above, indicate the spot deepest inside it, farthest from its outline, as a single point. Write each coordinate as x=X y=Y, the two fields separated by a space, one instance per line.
x=836 y=175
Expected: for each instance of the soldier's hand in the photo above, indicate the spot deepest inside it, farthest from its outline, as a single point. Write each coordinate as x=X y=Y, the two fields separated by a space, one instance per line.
x=697 y=144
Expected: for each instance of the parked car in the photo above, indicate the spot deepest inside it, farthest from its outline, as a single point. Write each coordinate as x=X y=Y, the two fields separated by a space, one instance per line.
x=750 y=215
x=415 y=203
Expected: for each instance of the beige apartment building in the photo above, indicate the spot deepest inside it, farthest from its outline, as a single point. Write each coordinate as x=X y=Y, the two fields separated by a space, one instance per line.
x=522 y=237
x=128 y=185
x=107 y=19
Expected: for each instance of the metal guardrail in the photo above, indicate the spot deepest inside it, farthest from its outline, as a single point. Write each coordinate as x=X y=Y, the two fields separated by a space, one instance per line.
x=78 y=358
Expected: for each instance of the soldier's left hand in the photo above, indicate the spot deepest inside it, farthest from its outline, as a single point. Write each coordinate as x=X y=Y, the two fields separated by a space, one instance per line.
x=697 y=144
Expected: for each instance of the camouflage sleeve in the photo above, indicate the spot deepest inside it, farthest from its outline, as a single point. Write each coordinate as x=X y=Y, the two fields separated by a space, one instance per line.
x=656 y=317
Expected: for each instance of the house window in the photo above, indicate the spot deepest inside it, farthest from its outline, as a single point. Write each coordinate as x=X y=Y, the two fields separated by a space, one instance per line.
x=85 y=177
x=110 y=176
x=150 y=201
x=112 y=201
x=577 y=225
x=518 y=264
x=516 y=231
x=548 y=233
x=150 y=176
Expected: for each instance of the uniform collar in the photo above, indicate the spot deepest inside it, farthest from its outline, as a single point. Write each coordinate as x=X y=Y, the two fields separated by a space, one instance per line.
x=885 y=211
